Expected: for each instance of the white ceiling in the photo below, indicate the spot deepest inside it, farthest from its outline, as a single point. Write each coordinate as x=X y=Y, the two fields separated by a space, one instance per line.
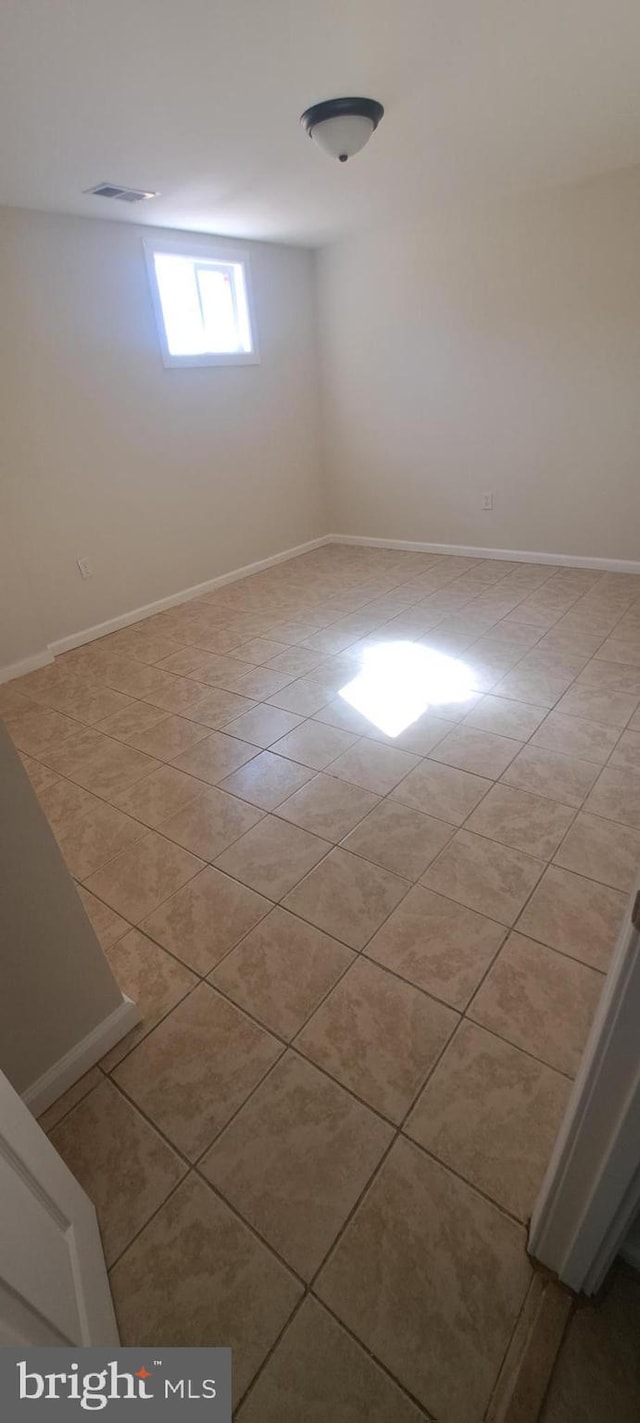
x=201 y=99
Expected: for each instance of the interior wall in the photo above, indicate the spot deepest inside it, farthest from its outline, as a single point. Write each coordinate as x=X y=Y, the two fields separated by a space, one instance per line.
x=57 y=986
x=21 y=631
x=494 y=348
x=164 y=478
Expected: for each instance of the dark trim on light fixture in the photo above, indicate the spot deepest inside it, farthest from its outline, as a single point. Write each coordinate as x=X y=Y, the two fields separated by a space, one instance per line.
x=341 y=108
x=337 y=108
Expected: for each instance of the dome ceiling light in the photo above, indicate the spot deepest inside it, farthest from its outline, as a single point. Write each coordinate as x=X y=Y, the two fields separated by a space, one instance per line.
x=342 y=126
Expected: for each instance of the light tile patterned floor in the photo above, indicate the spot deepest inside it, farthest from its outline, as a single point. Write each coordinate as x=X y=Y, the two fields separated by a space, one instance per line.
x=366 y=964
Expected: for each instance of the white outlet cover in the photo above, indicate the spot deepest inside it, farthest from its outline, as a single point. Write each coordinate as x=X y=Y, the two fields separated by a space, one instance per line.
x=86 y=568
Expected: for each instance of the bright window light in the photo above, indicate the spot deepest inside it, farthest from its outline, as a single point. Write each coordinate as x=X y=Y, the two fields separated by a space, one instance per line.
x=202 y=306
x=399 y=681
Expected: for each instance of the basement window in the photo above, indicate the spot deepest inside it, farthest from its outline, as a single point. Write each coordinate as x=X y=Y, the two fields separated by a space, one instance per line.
x=202 y=300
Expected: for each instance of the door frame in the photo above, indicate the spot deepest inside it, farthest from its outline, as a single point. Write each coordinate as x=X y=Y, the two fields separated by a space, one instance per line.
x=26 y=1149
x=591 y=1190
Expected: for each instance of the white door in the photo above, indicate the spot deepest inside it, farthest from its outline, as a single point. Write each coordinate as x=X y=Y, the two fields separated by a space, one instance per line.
x=53 y=1279
x=591 y=1193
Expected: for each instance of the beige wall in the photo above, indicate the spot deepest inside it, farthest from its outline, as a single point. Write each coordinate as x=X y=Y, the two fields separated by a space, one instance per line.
x=496 y=348
x=56 y=983
x=490 y=348
x=21 y=631
x=163 y=478
x=21 y=634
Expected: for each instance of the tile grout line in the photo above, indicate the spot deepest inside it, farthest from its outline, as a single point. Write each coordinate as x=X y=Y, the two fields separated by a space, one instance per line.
x=546 y=864
x=411 y=883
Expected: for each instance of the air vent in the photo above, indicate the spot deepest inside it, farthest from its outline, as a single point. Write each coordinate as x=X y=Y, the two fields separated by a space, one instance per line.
x=122 y=195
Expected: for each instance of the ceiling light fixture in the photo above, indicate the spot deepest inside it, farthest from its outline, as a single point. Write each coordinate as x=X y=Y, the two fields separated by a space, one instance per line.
x=342 y=126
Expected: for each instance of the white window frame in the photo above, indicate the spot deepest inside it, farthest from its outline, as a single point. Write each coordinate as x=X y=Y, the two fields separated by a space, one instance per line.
x=208 y=250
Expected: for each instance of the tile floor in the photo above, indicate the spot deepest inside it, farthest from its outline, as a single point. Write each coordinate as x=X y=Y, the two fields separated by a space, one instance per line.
x=367 y=934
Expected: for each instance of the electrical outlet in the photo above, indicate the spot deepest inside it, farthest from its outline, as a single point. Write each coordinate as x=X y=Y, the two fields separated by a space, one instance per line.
x=86 y=567
x=487 y=499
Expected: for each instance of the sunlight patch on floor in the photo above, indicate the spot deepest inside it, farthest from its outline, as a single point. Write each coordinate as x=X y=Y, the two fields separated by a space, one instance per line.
x=399 y=681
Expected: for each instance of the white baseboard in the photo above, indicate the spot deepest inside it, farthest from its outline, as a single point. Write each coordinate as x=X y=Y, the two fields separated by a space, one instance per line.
x=78 y=639
x=563 y=560
x=85 y=1054
x=28 y=664
x=148 y=610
